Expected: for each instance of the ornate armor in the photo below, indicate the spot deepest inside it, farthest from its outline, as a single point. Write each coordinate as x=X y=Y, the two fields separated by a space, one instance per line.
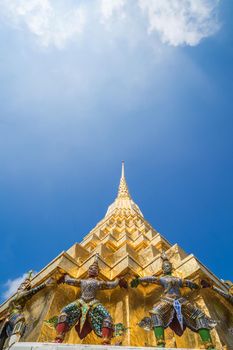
x=87 y=309
x=87 y=313
x=172 y=307
x=173 y=310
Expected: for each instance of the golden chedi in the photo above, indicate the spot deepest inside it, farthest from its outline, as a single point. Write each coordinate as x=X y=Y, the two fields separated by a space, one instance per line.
x=127 y=246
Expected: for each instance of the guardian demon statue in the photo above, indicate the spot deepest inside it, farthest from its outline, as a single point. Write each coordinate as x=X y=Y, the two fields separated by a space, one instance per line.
x=173 y=310
x=87 y=313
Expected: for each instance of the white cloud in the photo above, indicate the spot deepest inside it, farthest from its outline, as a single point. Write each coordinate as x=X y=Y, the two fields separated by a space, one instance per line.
x=110 y=8
x=11 y=286
x=55 y=22
x=180 y=22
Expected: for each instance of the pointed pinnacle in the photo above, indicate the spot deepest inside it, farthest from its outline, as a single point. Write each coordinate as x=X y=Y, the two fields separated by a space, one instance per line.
x=122 y=168
x=123 y=202
x=123 y=191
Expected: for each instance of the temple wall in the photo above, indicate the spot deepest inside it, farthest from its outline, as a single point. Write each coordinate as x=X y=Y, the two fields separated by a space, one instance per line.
x=35 y=312
x=222 y=311
x=128 y=307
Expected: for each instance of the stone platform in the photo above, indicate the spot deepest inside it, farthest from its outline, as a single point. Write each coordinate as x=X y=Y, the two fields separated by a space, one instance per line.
x=52 y=346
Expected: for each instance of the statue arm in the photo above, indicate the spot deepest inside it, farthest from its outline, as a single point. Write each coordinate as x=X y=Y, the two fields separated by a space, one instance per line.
x=147 y=279
x=109 y=285
x=189 y=284
x=50 y=282
x=28 y=294
x=71 y=281
x=121 y=282
x=11 y=305
x=227 y=296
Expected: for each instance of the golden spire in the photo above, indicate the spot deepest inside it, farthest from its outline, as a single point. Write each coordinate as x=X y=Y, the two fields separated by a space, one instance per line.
x=123 y=201
x=123 y=191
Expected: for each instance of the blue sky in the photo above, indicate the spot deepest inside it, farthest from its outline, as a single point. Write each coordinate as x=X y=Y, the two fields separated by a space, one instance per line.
x=85 y=85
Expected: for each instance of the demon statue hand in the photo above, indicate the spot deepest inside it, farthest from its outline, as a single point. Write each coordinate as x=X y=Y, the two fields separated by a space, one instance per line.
x=14 y=325
x=87 y=313
x=173 y=310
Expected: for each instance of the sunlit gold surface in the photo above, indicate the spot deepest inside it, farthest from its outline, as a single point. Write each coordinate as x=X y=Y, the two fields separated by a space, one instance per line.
x=127 y=245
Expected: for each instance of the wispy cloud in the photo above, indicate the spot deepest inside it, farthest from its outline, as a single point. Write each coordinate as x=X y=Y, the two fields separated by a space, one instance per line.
x=53 y=23
x=12 y=285
x=175 y=22
x=111 y=8
x=180 y=22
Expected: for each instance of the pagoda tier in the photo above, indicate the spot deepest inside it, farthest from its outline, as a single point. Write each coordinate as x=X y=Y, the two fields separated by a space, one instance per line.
x=127 y=246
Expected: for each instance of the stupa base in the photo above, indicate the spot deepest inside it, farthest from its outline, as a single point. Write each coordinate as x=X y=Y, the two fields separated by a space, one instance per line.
x=52 y=346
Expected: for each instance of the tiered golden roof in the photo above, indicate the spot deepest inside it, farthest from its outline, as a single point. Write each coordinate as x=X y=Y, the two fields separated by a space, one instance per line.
x=127 y=245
